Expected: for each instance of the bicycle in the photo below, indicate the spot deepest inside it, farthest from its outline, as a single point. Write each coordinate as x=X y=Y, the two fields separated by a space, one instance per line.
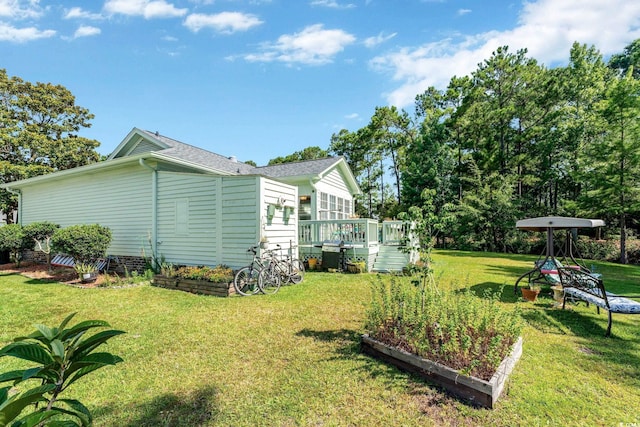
x=290 y=270
x=246 y=281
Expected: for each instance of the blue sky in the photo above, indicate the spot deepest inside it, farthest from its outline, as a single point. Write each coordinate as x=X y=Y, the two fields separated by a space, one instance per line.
x=258 y=79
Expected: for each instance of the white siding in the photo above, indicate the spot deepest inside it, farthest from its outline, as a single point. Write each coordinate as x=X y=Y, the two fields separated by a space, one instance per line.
x=276 y=230
x=119 y=199
x=187 y=214
x=332 y=184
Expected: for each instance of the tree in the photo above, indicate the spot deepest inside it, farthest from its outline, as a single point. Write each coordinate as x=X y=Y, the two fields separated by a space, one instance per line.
x=629 y=58
x=309 y=153
x=614 y=161
x=364 y=160
x=39 y=125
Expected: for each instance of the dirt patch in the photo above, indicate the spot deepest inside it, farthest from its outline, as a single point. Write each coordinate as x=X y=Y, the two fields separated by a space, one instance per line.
x=58 y=274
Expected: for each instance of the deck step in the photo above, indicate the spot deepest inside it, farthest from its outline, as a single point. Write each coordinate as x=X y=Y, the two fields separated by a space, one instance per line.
x=390 y=259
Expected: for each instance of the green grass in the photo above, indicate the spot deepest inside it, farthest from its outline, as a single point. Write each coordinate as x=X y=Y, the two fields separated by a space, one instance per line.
x=293 y=358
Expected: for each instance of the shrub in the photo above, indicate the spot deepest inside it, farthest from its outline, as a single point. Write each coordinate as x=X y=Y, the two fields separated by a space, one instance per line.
x=459 y=330
x=218 y=274
x=85 y=243
x=38 y=235
x=603 y=250
x=12 y=239
x=62 y=356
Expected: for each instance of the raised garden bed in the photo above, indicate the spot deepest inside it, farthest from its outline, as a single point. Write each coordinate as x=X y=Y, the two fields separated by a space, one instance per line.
x=473 y=390
x=204 y=287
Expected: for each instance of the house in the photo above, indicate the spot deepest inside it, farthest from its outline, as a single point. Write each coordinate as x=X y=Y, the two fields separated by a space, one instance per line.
x=161 y=197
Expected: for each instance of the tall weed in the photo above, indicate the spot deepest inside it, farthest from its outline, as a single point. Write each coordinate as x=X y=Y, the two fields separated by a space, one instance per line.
x=457 y=329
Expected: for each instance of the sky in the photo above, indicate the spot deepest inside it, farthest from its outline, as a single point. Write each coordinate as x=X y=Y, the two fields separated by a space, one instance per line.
x=258 y=79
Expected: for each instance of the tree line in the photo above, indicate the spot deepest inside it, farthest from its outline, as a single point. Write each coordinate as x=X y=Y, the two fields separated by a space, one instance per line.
x=512 y=140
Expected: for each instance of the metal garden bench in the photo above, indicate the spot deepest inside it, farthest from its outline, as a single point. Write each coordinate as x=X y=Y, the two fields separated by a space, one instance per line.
x=580 y=285
x=61 y=260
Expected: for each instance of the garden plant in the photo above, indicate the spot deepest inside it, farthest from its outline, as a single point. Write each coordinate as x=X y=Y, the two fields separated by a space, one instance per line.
x=63 y=355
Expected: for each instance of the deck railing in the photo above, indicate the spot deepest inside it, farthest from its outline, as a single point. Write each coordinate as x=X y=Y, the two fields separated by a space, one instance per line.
x=359 y=232
x=363 y=232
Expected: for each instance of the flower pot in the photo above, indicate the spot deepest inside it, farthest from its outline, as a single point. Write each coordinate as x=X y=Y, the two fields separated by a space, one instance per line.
x=264 y=245
x=312 y=263
x=530 y=294
x=89 y=277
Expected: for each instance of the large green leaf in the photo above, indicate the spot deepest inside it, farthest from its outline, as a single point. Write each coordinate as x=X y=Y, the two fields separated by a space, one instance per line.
x=31 y=351
x=66 y=321
x=12 y=407
x=78 y=409
x=57 y=348
x=94 y=341
x=35 y=419
x=11 y=376
x=46 y=331
x=89 y=364
x=82 y=326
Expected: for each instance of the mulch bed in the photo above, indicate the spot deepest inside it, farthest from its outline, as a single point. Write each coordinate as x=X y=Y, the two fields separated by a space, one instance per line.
x=58 y=274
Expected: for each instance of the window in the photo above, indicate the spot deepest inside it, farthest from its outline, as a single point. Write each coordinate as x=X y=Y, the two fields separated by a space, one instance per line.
x=304 y=208
x=333 y=207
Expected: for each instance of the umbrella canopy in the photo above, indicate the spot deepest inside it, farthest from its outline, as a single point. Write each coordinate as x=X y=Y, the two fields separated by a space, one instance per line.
x=557 y=222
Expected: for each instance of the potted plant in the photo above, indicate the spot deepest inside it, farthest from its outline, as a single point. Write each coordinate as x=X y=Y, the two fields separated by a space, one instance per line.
x=264 y=242
x=86 y=272
x=531 y=292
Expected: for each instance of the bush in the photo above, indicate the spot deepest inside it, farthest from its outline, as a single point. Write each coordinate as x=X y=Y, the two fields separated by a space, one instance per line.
x=219 y=274
x=39 y=231
x=602 y=250
x=85 y=243
x=464 y=332
x=12 y=239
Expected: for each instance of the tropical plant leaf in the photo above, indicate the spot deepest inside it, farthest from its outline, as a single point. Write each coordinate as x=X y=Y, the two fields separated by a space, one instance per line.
x=57 y=348
x=30 y=373
x=83 y=418
x=4 y=394
x=94 y=341
x=83 y=326
x=66 y=321
x=13 y=406
x=11 y=376
x=35 y=419
x=84 y=367
x=79 y=409
x=46 y=331
x=31 y=351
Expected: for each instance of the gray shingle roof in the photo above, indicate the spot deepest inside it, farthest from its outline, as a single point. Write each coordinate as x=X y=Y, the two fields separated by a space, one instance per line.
x=189 y=153
x=181 y=151
x=307 y=167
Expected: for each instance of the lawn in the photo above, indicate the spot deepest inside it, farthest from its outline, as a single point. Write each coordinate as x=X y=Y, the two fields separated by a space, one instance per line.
x=293 y=358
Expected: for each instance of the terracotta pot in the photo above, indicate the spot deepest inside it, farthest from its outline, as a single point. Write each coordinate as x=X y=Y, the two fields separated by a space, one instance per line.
x=530 y=294
x=312 y=263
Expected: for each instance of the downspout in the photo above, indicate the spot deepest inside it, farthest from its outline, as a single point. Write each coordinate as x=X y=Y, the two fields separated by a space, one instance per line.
x=154 y=207
x=19 y=194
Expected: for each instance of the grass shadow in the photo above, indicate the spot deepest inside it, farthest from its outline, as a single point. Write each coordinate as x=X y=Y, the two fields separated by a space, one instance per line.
x=347 y=341
x=197 y=408
x=483 y=290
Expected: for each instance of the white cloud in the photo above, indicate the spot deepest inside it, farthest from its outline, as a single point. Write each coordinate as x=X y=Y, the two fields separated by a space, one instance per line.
x=21 y=35
x=352 y=116
x=312 y=46
x=225 y=22
x=20 y=9
x=78 y=13
x=86 y=31
x=332 y=4
x=463 y=11
x=547 y=28
x=149 y=9
x=379 y=39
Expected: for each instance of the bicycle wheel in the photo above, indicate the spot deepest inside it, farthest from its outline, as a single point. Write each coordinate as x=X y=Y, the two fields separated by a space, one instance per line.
x=246 y=281
x=297 y=271
x=269 y=280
